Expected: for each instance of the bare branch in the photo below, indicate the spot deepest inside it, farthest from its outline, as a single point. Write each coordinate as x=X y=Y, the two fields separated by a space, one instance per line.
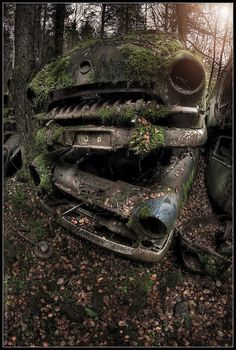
x=204 y=54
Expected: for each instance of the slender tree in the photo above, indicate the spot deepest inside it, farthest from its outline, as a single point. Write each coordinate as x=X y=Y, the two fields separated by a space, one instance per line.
x=103 y=14
x=59 y=28
x=8 y=26
x=45 y=10
x=182 y=21
x=23 y=72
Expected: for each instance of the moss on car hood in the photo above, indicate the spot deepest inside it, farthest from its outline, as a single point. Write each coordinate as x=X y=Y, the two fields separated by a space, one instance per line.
x=130 y=58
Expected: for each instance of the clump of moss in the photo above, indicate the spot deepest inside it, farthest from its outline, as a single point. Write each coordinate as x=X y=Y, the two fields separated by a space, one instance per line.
x=215 y=265
x=121 y=115
x=41 y=139
x=144 y=212
x=188 y=184
x=52 y=77
x=211 y=265
x=8 y=112
x=146 y=138
x=140 y=63
x=19 y=200
x=57 y=131
x=131 y=223
x=83 y=45
x=152 y=113
x=43 y=164
x=41 y=116
x=154 y=56
x=137 y=286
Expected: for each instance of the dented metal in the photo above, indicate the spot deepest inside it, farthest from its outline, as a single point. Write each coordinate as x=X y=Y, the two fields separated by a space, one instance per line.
x=148 y=224
x=121 y=196
x=219 y=174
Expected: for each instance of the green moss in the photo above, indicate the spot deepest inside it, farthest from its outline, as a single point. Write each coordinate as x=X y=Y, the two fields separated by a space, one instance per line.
x=152 y=113
x=121 y=115
x=7 y=113
x=144 y=212
x=211 y=265
x=57 y=74
x=42 y=135
x=19 y=200
x=83 y=45
x=40 y=116
x=57 y=131
x=146 y=138
x=187 y=322
x=140 y=63
x=91 y=77
x=144 y=58
x=37 y=230
x=52 y=77
x=153 y=58
x=187 y=186
x=170 y=280
x=107 y=114
x=137 y=287
x=41 y=139
x=43 y=164
x=91 y=313
x=131 y=223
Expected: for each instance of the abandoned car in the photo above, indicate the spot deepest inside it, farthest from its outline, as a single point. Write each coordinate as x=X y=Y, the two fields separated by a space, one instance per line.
x=119 y=140
x=205 y=259
x=219 y=119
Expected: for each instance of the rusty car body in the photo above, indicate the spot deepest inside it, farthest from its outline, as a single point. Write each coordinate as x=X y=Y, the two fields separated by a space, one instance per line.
x=219 y=170
x=119 y=137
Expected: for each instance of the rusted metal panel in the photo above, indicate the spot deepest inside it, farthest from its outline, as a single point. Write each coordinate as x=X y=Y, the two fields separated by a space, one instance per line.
x=12 y=155
x=219 y=174
x=135 y=253
x=90 y=110
x=181 y=137
x=112 y=138
x=138 y=206
x=95 y=137
x=197 y=257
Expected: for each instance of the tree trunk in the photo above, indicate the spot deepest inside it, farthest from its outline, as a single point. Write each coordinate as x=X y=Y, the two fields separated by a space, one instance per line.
x=166 y=17
x=43 y=35
x=59 y=29
x=126 y=19
x=8 y=45
x=145 y=17
x=37 y=33
x=182 y=21
x=103 y=20
x=22 y=74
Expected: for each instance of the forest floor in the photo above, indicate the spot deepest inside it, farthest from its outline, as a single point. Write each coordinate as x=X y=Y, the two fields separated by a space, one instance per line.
x=88 y=296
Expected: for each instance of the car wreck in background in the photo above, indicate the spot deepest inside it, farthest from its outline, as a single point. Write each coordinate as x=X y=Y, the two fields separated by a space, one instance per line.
x=11 y=147
x=219 y=170
x=218 y=177
x=119 y=140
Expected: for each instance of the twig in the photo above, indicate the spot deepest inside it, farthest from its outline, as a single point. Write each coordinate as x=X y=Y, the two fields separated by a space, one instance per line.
x=204 y=54
x=21 y=234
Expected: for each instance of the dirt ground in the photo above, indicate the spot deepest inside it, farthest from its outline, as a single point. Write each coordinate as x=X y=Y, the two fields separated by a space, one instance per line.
x=88 y=296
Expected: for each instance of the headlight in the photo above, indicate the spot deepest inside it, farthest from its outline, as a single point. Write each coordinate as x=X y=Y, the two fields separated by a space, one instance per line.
x=187 y=75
